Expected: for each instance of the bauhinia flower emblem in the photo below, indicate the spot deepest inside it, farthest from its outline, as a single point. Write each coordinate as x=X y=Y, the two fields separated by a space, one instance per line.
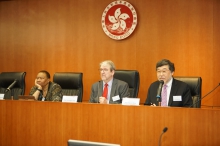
x=118 y=20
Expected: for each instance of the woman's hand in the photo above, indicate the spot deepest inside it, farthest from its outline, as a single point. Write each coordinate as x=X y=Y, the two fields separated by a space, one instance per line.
x=38 y=86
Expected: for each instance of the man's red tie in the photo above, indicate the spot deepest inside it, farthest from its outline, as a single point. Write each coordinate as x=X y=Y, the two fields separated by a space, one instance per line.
x=105 y=92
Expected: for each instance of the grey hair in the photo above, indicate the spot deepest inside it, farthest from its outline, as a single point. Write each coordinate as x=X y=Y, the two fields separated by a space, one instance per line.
x=109 y=62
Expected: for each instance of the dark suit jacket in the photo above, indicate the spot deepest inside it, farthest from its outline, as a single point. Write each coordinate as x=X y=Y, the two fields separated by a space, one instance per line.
x=119 y=87
x=178 y=88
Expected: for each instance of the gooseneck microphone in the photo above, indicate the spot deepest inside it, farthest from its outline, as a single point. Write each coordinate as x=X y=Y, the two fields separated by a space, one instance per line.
x=159 y=90
x=204 y=96
x=164 y=130
x=11 y=86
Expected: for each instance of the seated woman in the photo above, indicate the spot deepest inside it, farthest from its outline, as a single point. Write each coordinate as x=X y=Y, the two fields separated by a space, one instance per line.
x=44 y=89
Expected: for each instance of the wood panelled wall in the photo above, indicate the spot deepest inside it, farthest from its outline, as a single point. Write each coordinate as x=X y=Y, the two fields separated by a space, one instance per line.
x=66 y=36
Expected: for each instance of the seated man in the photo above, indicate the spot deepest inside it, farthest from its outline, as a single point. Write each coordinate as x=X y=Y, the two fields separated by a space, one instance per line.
x=109 y=89
x=174 y=92
x=44 y=89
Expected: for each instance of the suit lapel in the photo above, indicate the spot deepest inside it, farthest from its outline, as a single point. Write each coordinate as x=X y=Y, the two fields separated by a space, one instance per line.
x=113 y=90
x=100 y=88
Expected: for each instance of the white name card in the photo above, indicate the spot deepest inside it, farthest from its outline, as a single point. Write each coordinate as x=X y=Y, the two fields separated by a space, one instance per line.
x=130 y=101
x=177 y=98
x=2 y=96
x=69 y=98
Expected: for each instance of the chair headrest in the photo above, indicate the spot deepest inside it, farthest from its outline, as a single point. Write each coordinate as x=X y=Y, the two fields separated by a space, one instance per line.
x=68 y=80
x=7 y=78
x=195 y=84
x=129 y=76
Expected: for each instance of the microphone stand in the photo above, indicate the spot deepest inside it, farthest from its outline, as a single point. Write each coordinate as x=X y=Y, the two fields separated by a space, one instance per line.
x=159 y=92
x=204 y=96
x=10 y=87
x=159 y=101
x=10 y=93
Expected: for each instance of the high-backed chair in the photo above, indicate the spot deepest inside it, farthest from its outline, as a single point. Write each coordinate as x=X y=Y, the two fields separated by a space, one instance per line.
x=71 y=83
x=7 y=78
x=132 y=78
x=195 y=84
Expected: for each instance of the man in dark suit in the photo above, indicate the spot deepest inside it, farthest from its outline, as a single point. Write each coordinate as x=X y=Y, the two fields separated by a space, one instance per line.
x=174 y=92
x=108 y=90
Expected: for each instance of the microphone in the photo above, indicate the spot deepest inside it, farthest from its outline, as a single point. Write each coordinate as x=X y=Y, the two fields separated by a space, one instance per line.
x=164 y=130
x=159 y=90
x=9 y=87
x=204 y=96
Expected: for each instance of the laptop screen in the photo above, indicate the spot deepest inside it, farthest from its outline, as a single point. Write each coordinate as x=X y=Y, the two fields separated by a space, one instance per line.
x=88 y=143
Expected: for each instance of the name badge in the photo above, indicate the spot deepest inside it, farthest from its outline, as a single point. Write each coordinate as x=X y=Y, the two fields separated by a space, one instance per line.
x=69 y=98
x=177 y=98
x=115 y=98
x=2 y=96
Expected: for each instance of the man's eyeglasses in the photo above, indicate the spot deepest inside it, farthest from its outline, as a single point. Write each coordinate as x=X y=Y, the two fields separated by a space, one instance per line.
x=40 y=78
x=162 y=71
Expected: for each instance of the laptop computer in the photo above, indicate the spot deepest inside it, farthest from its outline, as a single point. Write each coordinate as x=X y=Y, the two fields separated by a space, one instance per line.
x=88 y=143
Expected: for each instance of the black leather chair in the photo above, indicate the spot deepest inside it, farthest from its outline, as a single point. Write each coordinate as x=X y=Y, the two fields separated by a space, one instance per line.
x=132 y=78
x=7 y=78
x=71 y=83
x=195 y=84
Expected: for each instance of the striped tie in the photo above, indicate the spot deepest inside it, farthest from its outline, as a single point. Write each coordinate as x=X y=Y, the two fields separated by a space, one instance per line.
x=164 y=96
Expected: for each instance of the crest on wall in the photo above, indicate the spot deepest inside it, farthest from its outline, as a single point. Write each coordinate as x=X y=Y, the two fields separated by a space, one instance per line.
x=119 y=20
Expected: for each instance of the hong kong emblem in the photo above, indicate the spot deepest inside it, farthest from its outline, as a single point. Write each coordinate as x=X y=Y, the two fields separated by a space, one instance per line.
x=119 y=20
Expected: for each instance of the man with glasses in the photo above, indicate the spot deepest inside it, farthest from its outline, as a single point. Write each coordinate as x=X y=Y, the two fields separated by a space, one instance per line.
x=108 y=90
x=174 y=92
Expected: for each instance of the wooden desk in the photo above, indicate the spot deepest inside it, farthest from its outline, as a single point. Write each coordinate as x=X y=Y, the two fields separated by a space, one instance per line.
x=32 y=123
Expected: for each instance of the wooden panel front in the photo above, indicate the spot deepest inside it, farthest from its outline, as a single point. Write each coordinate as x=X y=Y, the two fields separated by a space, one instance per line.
x=48 y=123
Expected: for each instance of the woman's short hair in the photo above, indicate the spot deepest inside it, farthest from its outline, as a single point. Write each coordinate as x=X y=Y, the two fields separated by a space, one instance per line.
x=46 y=73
